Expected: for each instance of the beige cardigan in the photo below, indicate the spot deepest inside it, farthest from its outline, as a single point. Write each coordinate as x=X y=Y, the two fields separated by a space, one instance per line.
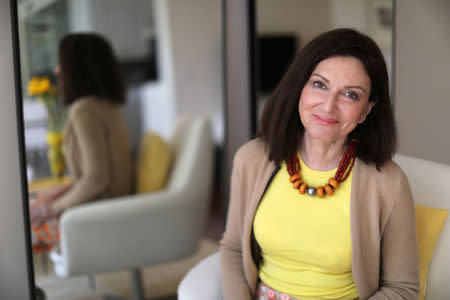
x=385 y=261
x=98 y=153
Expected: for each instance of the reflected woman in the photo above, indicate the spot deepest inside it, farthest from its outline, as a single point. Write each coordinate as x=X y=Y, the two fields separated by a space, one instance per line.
x=97 y=143
x=318 y=209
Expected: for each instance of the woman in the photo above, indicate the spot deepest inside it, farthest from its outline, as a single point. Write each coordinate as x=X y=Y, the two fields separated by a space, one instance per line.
x=318 y=210
x=97 y=144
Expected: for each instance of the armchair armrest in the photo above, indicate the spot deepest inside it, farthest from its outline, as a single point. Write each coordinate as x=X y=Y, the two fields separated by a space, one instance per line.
x=131 y=231
x=203 y=282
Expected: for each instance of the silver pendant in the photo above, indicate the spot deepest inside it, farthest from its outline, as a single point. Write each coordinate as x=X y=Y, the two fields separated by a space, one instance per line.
x=311 y=191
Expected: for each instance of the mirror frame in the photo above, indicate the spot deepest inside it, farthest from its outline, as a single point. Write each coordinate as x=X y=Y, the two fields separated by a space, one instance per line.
x=16 y=262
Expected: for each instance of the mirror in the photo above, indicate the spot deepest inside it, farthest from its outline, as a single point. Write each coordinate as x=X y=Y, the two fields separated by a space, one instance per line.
x=284 y=27
x=170 y=56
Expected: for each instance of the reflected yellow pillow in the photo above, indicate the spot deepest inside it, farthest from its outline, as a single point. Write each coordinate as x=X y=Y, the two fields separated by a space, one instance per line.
x=153 y=164
x=429 y=224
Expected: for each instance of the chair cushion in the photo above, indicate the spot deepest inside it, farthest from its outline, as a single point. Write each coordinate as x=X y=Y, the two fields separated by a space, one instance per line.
x=153 y=164
x=429 y=224
x=203 y=281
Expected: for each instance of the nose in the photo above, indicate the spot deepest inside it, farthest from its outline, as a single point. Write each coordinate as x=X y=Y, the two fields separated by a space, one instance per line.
x=330 y=102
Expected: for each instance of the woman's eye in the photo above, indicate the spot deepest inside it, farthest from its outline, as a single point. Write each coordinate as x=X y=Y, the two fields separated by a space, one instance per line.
x=318 y=84
x=352 y=95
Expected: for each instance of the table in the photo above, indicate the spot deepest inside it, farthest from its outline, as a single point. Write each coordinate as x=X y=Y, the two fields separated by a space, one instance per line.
x=47 y=182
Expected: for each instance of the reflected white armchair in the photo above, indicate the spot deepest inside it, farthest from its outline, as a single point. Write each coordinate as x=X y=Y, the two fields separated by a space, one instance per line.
x=146 y=229
x=430 y=187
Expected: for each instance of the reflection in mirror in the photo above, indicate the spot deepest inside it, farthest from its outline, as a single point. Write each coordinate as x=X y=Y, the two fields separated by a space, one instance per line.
x=169 y=54
x=284 y=27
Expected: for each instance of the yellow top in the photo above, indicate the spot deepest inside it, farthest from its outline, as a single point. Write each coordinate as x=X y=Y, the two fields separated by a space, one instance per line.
x=305 y=241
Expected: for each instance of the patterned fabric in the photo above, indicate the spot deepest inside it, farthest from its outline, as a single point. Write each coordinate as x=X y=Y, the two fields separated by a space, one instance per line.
x=46 y=235
x=265 y=292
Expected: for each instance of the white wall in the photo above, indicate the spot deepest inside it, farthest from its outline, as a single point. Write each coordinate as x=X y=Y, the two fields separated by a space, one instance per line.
x=79 y=15
x=350 y=13
x=305 y=18
x=196 y=37
x=422 y=74
x=158 y=98
x=118 y=21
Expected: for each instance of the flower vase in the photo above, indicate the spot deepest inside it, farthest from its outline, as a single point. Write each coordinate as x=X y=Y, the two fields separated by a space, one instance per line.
x=55 y=154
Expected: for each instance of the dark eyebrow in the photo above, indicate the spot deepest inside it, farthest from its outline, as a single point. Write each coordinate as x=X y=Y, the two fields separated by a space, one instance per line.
x=347 y=87
x=324 y=78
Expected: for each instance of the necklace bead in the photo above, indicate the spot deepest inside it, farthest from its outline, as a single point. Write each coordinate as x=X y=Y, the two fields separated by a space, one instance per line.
x=294 y=177
x=333 y=182
x=320 y=192
x=302 y=188
x=328 y=190
x=297 y=184
x=311 y=191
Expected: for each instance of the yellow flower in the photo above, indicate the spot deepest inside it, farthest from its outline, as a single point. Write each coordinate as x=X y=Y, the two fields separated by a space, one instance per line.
x=33 y=86
x=45 y=92
x=39 y=86
x=44 y=85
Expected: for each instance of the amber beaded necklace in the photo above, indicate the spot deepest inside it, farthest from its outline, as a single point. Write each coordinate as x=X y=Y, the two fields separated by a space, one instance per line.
x=344 y=169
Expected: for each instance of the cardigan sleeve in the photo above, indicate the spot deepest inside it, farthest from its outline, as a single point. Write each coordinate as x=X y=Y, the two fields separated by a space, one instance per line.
x=92 y=140
x=233 y=280
x=399 y=277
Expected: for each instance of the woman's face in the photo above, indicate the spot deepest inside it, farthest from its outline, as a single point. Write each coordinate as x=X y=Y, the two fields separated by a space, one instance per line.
x=335 y=99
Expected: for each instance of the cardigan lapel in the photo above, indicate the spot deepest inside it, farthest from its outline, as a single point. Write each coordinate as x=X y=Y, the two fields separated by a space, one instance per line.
x=365 y=237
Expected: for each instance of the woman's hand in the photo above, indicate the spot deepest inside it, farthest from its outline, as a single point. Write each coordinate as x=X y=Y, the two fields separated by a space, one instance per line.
x=40 y=210
x=41 y=207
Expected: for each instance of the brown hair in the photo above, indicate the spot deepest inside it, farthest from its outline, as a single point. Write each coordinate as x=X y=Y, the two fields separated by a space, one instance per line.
x=280 y=123
x=89 y=68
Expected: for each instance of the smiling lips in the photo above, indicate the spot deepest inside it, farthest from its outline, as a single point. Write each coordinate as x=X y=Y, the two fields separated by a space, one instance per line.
x=325 y=121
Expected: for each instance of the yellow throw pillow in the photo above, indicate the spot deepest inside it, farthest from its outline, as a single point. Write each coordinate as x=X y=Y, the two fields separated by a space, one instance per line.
x=153 y=164
x=429 y=224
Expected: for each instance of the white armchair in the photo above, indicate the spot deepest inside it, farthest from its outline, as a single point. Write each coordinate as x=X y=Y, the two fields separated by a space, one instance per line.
x=430 y=187
x=147 y=229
